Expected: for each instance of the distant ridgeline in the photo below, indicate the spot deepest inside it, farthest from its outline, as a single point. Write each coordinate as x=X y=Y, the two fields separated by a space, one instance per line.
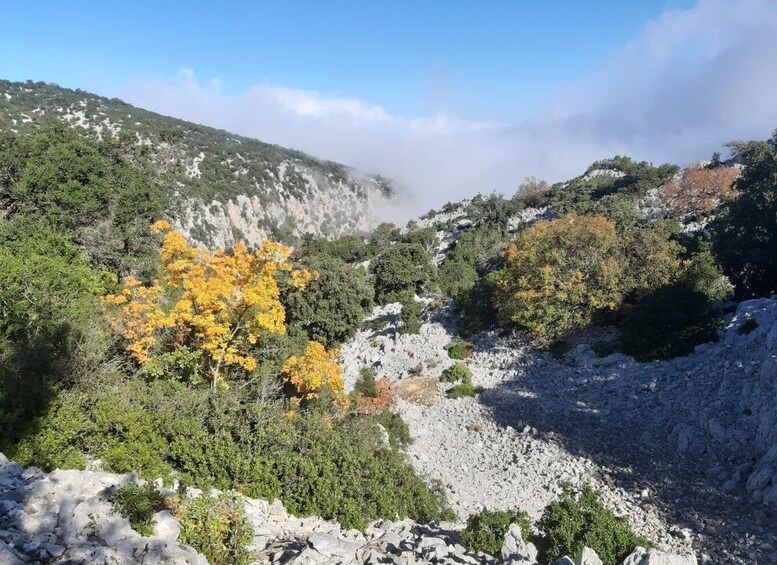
x=223 y=187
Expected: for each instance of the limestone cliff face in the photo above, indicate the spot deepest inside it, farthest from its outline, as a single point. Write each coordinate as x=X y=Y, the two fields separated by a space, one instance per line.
x=322 y=205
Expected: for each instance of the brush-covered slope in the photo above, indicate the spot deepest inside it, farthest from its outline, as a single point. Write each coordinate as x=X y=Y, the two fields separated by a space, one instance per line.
x=224 y=187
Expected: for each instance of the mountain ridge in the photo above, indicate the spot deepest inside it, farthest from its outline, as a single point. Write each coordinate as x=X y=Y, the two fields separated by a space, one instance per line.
x=224 y=187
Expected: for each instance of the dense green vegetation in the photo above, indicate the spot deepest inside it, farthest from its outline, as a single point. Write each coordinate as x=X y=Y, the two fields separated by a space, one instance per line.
x=400 y=269
x=332 y=306
x=745 y=233
x=610 y=185
x=574 y=522
x=485 y=531
x=77 y=221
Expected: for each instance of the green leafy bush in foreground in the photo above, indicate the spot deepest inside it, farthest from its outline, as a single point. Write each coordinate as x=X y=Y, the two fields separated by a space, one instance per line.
x=486 y=530
x=463 y=390
x=138 y=504
x=572 y=522
x=217 y=528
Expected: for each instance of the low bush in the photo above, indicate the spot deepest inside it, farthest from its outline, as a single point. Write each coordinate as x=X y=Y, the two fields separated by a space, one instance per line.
x=460 y=350
x=365 y=384
x=463 y=390
x=396 y=427
x=572 y=522
x=410 y=315
x=485 y=531
x=138 y=504
x=372 y=396
x=217 y=528
x=457 y=372
x=747 y=327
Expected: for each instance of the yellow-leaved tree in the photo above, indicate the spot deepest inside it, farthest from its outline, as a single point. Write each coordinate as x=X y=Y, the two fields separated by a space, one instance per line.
x=560 y=273
x=214 y=302
x=313 y=371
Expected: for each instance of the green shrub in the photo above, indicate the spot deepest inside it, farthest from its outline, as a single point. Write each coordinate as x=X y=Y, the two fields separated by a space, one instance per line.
x=572 y=522
x=138 y=504
x=485 y=531
x=375 y=325
x=366 y=383
x=217 y=528
x=460 y=350
x=410 y=315
x=668 y=322
x=457 y=372
x=50 y=315
x=463 y=390
x=398 y=431
x=236 y=440
x=705 y=276
x=747 y=327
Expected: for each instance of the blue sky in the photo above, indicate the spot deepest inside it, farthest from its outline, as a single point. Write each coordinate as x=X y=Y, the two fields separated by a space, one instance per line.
x=447 y=98
x=498 y=60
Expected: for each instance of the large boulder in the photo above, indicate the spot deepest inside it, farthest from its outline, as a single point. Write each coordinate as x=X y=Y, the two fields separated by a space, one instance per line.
x=588 y=557
x=515 y=549
x=642 y=556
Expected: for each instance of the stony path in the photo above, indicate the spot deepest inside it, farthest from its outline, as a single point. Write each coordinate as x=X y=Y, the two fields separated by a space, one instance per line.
x=684 y=448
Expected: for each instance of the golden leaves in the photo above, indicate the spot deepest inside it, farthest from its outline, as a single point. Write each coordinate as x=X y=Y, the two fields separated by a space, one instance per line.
x=317 y=368
x=215 y=301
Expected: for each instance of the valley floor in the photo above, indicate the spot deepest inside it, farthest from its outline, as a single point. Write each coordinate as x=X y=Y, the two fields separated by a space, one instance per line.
x=681 y=448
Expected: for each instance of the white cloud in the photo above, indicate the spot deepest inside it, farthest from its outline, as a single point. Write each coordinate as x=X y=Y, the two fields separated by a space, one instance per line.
x=692 y=80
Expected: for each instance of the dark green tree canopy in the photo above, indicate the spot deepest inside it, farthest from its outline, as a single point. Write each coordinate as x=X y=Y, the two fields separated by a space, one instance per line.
x=400 y=268
x=745 y=233
x=331 y=307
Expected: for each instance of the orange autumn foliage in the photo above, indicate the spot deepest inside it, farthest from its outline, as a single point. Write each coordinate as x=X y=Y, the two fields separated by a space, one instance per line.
x=700 y=189
x=316 y=369
x=217 y=302
x=385 y=397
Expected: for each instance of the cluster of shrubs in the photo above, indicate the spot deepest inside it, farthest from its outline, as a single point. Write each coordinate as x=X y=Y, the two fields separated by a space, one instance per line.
x=601 y=261
x=460 y=374
x=215 y=526
x=574 y=521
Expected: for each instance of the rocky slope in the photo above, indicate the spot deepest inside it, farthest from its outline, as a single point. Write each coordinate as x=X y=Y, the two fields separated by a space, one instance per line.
x=64 y=517
x=684 y=448
x=225 y=187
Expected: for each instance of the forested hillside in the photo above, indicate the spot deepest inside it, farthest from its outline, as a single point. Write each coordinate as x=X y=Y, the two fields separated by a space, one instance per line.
x=221 y=187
